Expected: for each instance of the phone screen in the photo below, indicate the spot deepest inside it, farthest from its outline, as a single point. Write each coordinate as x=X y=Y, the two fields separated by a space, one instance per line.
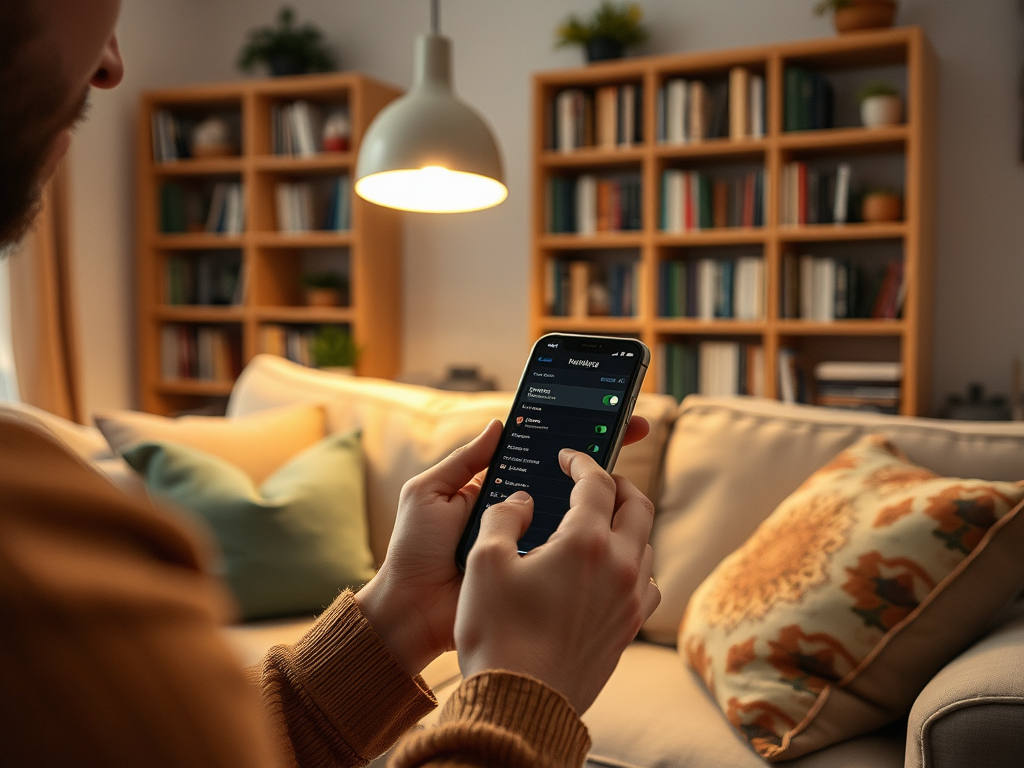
x=576 y=392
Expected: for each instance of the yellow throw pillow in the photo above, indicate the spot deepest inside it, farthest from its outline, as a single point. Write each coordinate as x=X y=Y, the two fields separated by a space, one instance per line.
x=850 y=596
x=258 y=444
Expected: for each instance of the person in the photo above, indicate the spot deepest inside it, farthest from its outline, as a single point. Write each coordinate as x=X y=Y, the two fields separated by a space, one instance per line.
x=110 y=648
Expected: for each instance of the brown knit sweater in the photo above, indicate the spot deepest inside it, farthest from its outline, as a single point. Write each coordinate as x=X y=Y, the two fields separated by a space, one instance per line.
x=111 y=652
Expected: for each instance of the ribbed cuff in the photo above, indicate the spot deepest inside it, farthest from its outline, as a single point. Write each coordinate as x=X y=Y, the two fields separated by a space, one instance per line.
x=357 y=683
x=526 y=707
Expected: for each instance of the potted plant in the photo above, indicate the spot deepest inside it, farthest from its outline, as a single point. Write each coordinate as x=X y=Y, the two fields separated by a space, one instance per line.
x=287 y=49
x=609 y=31
x=880 y=105
x=881 y=205
x=325 y=289
x=334 y=349
x=854 y=15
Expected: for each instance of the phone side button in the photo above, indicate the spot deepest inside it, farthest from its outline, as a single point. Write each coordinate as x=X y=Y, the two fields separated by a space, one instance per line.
x=629 y=413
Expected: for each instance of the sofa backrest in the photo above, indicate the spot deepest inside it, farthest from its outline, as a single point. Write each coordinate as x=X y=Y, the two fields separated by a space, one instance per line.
x=731 y=461
x=406 y=428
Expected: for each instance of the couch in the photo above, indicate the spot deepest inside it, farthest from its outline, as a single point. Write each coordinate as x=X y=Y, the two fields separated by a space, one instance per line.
x=715 y=467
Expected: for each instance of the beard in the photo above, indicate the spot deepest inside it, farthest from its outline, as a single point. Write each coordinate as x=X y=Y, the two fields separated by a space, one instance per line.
x=20 y=202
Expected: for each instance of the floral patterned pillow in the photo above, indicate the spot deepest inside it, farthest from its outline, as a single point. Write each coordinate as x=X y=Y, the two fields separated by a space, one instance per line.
x=850 y=596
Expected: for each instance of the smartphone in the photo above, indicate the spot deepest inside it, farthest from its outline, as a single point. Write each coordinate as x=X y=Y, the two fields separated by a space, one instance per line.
x=576 y=392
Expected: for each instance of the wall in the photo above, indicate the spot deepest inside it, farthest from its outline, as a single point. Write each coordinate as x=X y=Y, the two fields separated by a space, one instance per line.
x=466 y=275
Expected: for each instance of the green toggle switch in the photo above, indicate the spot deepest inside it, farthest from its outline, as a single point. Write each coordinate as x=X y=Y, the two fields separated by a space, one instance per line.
x=610 y=400
x=601 y=429
x=594 y=448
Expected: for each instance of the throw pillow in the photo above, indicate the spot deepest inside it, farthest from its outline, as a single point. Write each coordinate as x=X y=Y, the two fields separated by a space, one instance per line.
x=850 y=596
x=257 y=444
x=287 y=547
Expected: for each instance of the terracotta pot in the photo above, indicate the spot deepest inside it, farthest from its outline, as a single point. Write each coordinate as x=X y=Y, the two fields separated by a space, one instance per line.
x=880 y=111
x=864 y=14
x=323 y=297
x=882 y=206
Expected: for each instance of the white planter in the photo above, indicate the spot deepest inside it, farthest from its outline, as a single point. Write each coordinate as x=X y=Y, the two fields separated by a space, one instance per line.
x=879 y=111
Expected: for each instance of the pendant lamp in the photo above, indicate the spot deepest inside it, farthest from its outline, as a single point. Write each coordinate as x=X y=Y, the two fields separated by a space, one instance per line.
x=428 y=151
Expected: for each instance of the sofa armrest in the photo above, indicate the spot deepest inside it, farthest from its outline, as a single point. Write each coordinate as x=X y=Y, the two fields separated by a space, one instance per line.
x=972 y=712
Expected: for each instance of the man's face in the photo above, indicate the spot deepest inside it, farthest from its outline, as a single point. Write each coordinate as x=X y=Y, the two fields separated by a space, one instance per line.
x=60 y=48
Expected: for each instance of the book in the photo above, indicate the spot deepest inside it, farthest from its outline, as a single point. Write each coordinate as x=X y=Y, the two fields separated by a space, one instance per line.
x=699 y=111
x=589 y=203
x=739 y=103
x=756 y=107
x=607 y=112
x=203 y=352
x=676 y=111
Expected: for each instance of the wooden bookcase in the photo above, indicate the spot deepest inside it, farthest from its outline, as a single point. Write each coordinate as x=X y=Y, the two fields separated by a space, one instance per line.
x=909 y=149
x=272 y=262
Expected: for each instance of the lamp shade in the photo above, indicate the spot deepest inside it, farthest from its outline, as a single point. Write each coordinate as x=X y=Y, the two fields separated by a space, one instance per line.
x=429 y=151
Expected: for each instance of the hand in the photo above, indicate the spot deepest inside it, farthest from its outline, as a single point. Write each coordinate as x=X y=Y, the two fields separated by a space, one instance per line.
x=411 y=601
x=564 y=612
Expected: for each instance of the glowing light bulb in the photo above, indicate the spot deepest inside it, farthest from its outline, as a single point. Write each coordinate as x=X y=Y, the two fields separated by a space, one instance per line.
x=431 y=189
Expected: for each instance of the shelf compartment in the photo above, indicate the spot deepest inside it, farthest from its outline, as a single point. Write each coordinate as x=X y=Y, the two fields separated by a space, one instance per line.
x=723 y=326
x=189 y=241
x=595 y=325
x=630 y=239
x=719 y=236
x=888 y=139
x=312 y=239
x=322 y=162
x=865 y=327
x=194 y=313
x=828 y=232
x=194 y=387
x=711 y=148
x=213 y=166
x=311 y=315
x=593 y=156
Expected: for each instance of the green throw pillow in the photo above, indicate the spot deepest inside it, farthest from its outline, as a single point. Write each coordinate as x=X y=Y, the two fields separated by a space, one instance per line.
x=289 y=546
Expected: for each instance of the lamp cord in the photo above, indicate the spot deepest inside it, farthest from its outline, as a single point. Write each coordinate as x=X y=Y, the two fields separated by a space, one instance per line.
x=435 y=17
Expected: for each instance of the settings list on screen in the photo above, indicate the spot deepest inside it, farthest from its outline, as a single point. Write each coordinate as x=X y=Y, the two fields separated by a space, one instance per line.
x=567 y=400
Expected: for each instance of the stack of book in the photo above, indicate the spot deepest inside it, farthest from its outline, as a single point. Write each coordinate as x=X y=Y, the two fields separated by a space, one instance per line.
x=207 y=353
x=690 y=111
x=693 y=201
x=808 y=100
x=292 y=342
x=589 y=204
x=712 y=368
x=299 y=209
x=608 y=117
x=204 y=279
x=297 y=129
x=170 y=135
x=182 y=209
x=823 y=289
x=580 y=288
x=712 y=288
x=859 y=386
x=811 y=196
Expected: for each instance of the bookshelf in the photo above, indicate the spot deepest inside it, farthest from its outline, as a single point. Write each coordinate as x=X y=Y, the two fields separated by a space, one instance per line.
x=267 y=290
x=902 y=156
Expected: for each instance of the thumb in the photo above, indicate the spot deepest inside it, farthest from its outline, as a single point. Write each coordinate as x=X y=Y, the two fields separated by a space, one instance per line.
x=503 y=524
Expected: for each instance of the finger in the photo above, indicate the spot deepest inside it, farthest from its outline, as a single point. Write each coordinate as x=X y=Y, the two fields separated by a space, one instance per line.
x=637 y=429
x=634 y=514
x=503 y=525
x=650 y=594
x=451 y=475
x=592 y=499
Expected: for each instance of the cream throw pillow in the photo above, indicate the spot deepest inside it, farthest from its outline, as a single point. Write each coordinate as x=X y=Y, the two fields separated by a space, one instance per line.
x=855 y=591
x=258 y=444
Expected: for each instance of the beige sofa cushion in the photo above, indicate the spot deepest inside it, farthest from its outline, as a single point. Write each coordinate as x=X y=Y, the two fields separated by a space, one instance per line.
x=654 y=713
x=972 y=712
x=407 y=429
x=850 y=596
x=731 y=461
x=258 y=444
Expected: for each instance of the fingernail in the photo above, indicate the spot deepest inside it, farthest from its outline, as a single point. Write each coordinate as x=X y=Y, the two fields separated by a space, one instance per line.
x=519 y=497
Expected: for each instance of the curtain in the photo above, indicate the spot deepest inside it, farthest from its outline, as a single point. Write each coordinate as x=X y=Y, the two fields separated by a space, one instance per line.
x=42 y=311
